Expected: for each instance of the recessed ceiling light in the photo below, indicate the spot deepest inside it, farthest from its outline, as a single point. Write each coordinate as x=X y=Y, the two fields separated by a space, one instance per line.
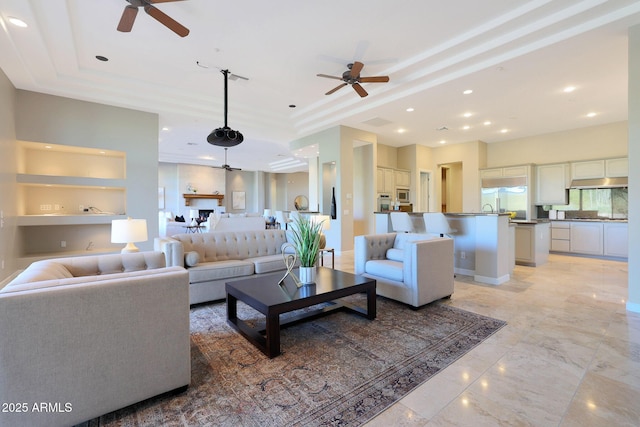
x=410 y=109
x=443 y=142
x=17 y=22
x=468 y=92
x=165 y=128
x=487 y=123
x=504 y=130
x=401 y=130
x=466 y=127
x=468 y=114
x=592 y=114
x=102 y=58
x=569 y=89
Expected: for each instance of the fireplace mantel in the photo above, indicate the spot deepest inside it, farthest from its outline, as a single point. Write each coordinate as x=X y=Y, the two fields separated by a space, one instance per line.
x=189 y=196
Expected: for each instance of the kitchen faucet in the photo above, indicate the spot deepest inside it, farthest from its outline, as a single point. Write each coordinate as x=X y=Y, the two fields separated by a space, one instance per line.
x=485 y=205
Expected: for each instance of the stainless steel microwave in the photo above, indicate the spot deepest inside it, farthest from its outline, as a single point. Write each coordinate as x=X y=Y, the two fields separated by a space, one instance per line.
x=402 y=195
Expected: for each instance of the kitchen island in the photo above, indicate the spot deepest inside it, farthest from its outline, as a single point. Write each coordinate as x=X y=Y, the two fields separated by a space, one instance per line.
x=484 y=243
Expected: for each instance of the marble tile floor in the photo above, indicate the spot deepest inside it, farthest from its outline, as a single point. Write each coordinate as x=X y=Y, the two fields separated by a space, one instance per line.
x=569 y=356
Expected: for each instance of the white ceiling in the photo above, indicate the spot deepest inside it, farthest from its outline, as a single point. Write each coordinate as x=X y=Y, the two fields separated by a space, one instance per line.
x=517 y=57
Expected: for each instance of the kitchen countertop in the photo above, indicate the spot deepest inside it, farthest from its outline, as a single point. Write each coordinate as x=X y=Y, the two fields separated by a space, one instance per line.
x=589 y=220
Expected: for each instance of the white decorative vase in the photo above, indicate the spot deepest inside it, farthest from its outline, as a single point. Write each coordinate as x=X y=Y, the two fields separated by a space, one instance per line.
x=307 y=275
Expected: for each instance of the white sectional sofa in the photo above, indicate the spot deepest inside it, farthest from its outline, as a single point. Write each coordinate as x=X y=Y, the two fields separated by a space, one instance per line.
x=415 y=269
x=221 y=222
x=85 y=336
x=212 y=259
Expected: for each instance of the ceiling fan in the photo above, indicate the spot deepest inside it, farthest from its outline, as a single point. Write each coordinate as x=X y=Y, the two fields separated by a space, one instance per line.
x=352 y=77
x=225 y=136
x=226 y=165
x=131 y=10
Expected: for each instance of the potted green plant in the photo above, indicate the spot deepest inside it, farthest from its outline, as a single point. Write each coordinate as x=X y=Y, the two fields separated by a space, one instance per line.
x=306 y=234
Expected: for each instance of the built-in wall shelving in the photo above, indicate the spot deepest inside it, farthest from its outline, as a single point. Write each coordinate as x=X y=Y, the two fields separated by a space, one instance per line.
x=67 y=197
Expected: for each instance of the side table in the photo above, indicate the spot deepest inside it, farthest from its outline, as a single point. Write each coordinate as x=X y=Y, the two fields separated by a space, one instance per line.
x=333 y=256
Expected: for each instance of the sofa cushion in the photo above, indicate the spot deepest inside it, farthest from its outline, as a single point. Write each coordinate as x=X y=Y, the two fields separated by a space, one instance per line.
x=219 y=270
x=82 y=280
x=267 y=264
x=191 y=259
x=392 y=270
x=395 y=254
x=40 y=271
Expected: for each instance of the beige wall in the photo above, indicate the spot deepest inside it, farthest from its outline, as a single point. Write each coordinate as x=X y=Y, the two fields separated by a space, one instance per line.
x=594 y=142
x=7 y=177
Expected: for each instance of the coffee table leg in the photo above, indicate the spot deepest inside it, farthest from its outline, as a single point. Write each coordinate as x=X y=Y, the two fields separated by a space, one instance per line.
x=232 y=308
x=371 y=303
x=272 y=335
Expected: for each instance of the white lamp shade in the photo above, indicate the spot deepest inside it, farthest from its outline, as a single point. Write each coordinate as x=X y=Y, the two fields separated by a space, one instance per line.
x=129 y=231
x=324 y=219
x=267 y=213
x=194 y=213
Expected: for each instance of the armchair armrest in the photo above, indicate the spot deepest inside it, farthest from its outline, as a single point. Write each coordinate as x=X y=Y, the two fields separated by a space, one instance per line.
x=172 y=249
x=428 y=268
x=372 y=246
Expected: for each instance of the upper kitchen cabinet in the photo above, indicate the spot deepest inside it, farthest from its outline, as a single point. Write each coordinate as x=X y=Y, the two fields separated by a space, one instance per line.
x=386 y=181
x=522 y=170
x=403 y=179
x=552 y=182
x=617 y=167
x=587 y=170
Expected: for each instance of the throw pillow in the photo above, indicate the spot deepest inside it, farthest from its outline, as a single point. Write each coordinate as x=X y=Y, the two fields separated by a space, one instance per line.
x=180 y=218
x=191 y=259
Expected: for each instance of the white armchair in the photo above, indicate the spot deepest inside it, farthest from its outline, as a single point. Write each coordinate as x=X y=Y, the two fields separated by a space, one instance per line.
x=415 y=269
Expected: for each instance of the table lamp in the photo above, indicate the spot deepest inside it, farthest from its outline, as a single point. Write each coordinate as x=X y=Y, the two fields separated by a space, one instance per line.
x=129 y=231
x=194 y=213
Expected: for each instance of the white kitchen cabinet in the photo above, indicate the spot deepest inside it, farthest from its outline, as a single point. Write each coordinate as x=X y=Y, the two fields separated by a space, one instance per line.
x=386 y=181
x=617 y=167
x=588 y=169
x=491 y=173
x=532 y=244
x=403 y=179
x=587 y=237
x=551 y=184
x=522 y=170
x=560 y=236
x=616 y=239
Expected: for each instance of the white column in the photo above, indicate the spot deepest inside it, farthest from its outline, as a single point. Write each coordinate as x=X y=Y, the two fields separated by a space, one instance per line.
x=633 y=301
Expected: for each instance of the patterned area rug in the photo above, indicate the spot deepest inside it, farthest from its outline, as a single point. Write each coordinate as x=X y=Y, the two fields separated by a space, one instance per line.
x=338 y=370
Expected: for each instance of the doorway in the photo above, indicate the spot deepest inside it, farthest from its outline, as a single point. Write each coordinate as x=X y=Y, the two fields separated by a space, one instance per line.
x=425 y=183
x=451 y=187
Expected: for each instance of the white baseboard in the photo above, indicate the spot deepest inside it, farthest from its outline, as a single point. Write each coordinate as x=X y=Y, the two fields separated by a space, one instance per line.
x=492 y=280
x=633 y=307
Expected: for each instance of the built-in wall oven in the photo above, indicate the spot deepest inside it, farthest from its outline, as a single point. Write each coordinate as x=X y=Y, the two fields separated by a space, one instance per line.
x=384 y=202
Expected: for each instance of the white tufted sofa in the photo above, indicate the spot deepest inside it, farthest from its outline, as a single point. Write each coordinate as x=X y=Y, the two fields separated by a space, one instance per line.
x=91 y=335
x=212 y=259
x=415 y=269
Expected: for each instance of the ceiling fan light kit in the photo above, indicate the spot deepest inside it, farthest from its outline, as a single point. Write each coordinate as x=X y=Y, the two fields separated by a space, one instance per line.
x=352 y=77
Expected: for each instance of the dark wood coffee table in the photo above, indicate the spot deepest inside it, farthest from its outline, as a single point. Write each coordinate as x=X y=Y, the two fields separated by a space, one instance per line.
x=266 y=296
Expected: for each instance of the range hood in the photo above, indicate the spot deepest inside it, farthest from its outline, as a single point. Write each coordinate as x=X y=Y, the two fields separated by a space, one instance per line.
x=600 y=182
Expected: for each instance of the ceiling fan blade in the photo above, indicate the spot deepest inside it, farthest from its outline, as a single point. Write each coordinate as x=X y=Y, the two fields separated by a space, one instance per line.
x=374 y=79
x=128 y=17
x=356 y=68
x=360 y=90
x=166 y=20
x=329 y=77
x=336 y=88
